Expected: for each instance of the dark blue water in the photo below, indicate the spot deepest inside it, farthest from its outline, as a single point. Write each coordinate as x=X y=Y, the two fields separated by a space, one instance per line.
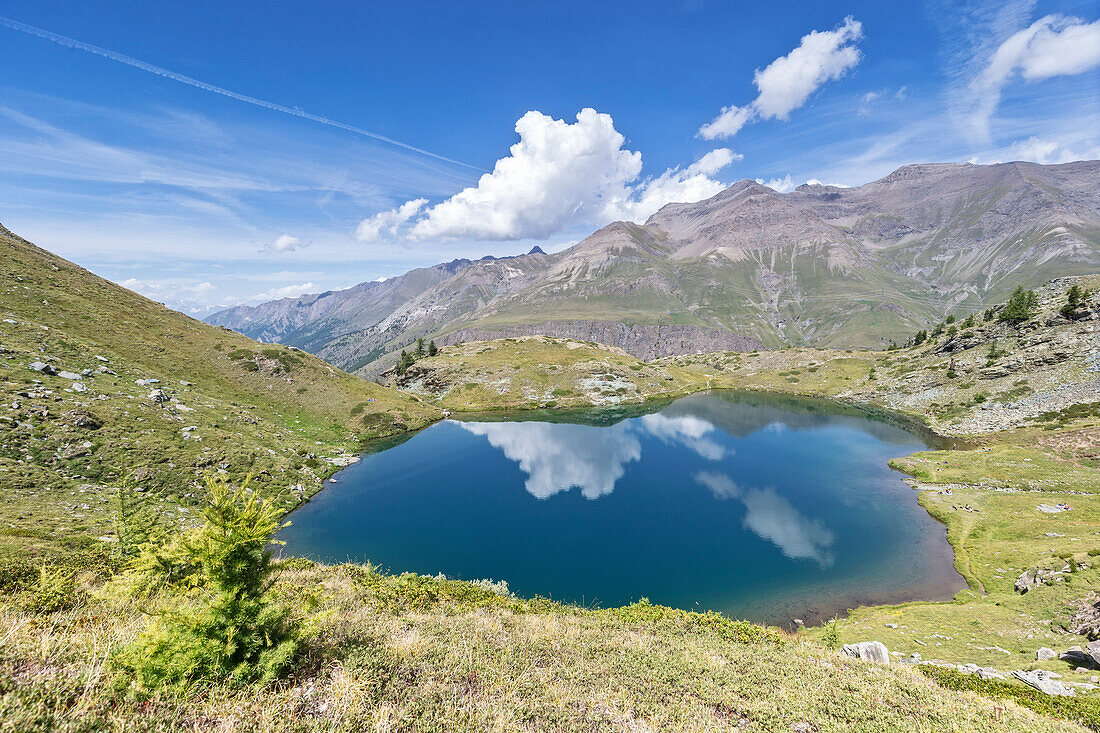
x=765 y=508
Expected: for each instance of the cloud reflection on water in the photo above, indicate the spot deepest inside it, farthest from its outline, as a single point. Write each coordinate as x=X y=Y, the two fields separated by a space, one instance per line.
x=773 y=518
x=687 y=430
x=558 y=456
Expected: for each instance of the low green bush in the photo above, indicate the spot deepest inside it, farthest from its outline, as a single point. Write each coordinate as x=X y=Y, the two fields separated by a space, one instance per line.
x=1084 y=711
x=678 y=621
x=16 y=574
x=54 y=590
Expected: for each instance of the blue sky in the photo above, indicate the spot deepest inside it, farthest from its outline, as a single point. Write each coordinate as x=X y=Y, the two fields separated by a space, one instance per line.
x=190 y=154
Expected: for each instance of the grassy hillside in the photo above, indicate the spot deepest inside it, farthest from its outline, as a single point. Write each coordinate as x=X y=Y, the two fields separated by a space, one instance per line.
x=416 y=653
x=225 y=404
x=539 y=371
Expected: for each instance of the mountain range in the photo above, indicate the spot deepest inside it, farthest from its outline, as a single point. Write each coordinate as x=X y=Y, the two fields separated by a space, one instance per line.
x=749 y=267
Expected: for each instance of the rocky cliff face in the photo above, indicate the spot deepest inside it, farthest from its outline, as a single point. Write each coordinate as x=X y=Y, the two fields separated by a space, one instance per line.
x=820 y=265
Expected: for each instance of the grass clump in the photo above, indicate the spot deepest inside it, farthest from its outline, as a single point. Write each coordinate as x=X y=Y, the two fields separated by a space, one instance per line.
x=675 y=620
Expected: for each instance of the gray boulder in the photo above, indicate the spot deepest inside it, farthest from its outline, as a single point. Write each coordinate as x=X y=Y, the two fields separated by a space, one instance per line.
x=869 y=651
x=1044 y=654
x=1082 y=657
x=41 y=366
x=159 y=396
x=1042 y=681
x=70 y=375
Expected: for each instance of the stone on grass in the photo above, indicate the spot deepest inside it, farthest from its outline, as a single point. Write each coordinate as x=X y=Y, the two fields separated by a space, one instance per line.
x=1043 y=682
x=870 y=651
x=81 y=419
x=1044 y=654
x=1081 y=657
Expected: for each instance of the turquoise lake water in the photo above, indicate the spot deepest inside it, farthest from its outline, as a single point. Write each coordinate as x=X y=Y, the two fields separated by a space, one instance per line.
x=760 y=507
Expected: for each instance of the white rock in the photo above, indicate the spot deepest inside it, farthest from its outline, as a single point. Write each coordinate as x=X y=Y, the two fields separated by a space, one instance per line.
x=870 y=651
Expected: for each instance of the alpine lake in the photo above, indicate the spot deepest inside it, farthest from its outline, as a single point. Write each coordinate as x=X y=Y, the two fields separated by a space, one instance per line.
x=761 y=507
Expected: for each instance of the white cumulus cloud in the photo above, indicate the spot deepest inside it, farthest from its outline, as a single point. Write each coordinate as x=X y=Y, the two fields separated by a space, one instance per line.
x=286 y=291
x=1054 y=45
x=782 y=185
x=371 y=229
x=685 y=185
x=728 y=123
x=558 y=175
x=785 y=84
x=285 y=243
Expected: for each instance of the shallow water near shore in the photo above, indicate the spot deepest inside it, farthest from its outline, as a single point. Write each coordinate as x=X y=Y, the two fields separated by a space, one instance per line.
x=761 y=507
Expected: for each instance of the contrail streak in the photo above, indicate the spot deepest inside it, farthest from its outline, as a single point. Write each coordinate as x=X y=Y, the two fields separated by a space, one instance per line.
x=138 y=64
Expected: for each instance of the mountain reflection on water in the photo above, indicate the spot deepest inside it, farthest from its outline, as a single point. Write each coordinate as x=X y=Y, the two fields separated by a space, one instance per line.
x=758 y=506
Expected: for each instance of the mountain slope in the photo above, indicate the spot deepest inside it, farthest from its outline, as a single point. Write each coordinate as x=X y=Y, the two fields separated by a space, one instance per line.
x=100 y=387
x=820 y=265
x=310 y=321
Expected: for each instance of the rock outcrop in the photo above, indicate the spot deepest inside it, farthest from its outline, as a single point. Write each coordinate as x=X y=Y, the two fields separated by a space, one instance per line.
x=1045 y=682
x=869 y=651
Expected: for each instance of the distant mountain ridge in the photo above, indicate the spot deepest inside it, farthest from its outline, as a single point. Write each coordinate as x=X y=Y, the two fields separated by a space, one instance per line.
x=749 y=266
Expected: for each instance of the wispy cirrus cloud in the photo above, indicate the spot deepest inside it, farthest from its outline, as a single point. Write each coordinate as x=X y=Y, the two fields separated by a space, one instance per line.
x=1054 y=45
x=205 y=86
